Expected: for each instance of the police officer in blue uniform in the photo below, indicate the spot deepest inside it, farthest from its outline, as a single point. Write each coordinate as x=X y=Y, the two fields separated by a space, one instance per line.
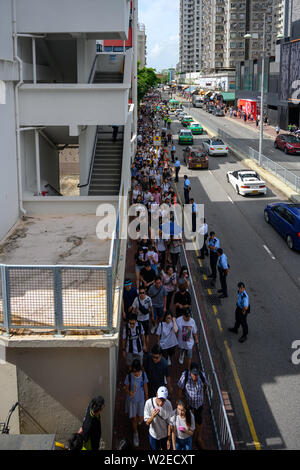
x=194 y=214
x=186 y=189
x=241 y=312
x=223 y=268
x=213 y=244
x=177 y=169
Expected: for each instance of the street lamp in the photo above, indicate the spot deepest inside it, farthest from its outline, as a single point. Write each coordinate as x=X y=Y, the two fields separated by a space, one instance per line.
x=261 y=129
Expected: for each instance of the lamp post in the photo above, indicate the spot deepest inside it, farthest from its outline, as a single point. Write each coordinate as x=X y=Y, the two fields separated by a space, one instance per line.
x=261 y=129
x=262 y=91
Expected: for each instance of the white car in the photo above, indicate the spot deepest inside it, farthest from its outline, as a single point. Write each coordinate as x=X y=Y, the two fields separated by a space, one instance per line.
x=246 y=182
x=215 y=146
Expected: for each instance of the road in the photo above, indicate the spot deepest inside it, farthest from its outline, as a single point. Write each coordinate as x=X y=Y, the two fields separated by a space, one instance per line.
x=258 y=256
x=246 y=137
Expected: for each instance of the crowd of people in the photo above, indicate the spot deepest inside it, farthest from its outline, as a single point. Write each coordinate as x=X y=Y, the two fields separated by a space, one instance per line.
x=157 y=304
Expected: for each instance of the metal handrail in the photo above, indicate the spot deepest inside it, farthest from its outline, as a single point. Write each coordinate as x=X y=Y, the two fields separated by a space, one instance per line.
x=91 y=77
x=91 y=163
x=224 y=438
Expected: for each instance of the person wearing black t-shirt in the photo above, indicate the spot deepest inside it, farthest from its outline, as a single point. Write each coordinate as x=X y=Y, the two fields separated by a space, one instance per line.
x=147 y=275
x=91 y=427
x=182 y=300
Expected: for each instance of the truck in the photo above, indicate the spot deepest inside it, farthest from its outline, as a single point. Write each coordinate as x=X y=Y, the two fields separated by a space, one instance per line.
x=197 y=101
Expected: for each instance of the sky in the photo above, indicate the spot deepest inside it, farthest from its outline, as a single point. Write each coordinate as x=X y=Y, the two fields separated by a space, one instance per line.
x=161 y=19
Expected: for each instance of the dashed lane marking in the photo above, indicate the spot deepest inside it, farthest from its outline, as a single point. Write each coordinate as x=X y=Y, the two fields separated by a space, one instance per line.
x=269 y=251
x=215 y=309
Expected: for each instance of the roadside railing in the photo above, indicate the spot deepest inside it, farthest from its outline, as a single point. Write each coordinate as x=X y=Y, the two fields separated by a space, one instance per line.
x=287 y=176
x=214 y=394
x=282 y=173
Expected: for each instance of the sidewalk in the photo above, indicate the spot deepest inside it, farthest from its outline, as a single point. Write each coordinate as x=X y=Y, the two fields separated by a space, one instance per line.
x=269 y=131
x=122 y=425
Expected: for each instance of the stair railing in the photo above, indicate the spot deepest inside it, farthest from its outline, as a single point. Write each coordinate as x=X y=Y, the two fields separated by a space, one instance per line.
x=91 y=162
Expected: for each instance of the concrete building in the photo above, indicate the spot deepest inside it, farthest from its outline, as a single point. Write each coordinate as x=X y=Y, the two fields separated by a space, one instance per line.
x=225 y=22
x=190 y=35
x=281 y=75
x=61 y=275
x=141 y=45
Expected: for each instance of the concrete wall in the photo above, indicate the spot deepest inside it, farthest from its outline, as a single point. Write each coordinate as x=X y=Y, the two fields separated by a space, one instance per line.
x=6 y=43
x=69 y=16
x=86 y=53
x=86 y=145
x=9 y=211
x=55 y=385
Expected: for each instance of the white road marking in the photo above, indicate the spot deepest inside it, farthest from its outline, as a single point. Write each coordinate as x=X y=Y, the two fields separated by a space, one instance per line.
x=210 y=172
x=230 y=199
x=269 y=252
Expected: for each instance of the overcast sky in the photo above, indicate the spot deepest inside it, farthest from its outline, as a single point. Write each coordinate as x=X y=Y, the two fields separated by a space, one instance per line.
x=161 y=19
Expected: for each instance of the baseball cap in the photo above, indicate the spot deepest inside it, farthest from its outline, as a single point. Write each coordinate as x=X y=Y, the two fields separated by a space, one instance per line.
x=195 y=369
x=128 y=282
x=162 y=392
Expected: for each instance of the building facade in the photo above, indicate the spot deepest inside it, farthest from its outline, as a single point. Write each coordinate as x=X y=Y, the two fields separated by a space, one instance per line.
x=225 y=22
x=190 y=35
x=57 y=92
x=281 y=74
x=141 y=45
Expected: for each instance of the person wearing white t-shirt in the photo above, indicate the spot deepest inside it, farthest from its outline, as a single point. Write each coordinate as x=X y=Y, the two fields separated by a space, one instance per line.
x=187 y=337
x=182 y=423
x=157 y=413
x=166 y=335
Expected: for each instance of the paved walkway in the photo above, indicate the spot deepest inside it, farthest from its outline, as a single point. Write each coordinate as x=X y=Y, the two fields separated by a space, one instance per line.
x=122 y=425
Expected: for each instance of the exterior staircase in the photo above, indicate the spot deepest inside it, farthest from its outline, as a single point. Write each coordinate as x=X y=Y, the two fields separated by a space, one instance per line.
x=108 y=77
x=107 y=165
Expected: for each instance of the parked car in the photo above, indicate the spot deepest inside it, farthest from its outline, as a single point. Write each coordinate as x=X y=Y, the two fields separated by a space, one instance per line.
x=219 y=112
x=195 y=127
x=186 y=120
x=288 y=143
x=215 y=146
x=195 y=157
x=285 y=218
x=185 y=137
x=246 y=182
x=209 y=108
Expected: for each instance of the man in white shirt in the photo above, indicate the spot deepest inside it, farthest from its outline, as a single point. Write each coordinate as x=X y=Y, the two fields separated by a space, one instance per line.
x=142 y=306
x=187 y=337
x=157 y=414
x=203 y=235
x=133 y=340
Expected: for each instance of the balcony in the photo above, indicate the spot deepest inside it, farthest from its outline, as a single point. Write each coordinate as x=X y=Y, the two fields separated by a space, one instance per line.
x=97 y=19
x=60 y=104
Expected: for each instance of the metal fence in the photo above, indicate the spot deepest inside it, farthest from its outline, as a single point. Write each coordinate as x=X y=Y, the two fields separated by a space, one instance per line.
x=216 y=403
x=56 y=298
x=287 y=176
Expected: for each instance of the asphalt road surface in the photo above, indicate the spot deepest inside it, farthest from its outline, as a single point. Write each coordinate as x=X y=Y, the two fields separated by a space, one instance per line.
x=260 y=258
x=246 y=137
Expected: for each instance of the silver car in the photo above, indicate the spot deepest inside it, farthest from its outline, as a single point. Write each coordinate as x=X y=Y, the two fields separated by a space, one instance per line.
x=215 y=146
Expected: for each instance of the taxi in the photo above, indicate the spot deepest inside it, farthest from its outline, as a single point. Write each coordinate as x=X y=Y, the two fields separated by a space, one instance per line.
x=186 y=120
x=185 y=137
x=195 y=128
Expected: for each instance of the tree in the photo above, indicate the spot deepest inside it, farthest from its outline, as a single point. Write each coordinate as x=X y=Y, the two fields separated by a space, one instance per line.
x=146 y=79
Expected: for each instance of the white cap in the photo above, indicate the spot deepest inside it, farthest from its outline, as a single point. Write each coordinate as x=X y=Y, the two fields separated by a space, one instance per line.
x=162 y=392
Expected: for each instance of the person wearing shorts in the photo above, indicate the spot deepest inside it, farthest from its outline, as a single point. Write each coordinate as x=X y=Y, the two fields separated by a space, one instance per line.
x=133 y=340
x=136 y=389
x=142 y=306
x=158 y=294
x=187 y=336
x=192 y=385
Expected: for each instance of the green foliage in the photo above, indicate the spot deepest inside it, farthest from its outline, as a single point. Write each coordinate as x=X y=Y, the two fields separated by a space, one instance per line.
x=146 y=79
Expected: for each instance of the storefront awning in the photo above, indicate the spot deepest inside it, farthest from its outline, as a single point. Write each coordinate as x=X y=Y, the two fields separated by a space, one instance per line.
x=228 y=96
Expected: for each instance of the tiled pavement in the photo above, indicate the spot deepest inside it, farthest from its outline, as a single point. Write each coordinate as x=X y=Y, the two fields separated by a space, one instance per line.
x=268 y=130
x=122 y=425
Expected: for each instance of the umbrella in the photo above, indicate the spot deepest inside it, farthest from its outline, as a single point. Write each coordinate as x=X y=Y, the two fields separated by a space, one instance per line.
x=171 y=228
